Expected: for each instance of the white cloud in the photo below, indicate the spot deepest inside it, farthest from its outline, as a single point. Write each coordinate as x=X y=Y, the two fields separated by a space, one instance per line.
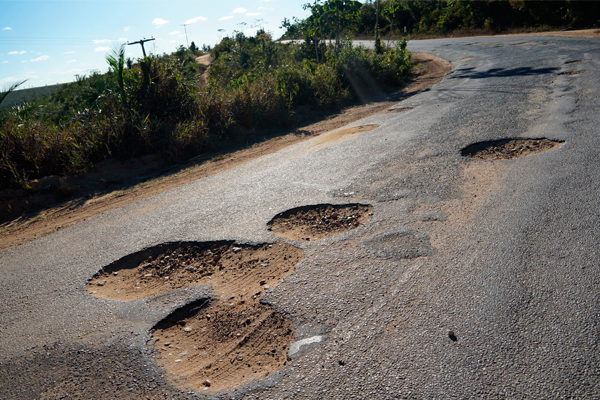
x=12 y=53
x=7 y=28
x=123 y=39
x=42 y=58
x=9 y=79
x=182 y=35
x=226 y=18
x=172 y=41
x=252 y=14
x=127 y=28
x=71 y=61
x=99 y=41
x=69 y=52
x=265 y=8
x=102 y=49
x=240 y=11
x=24 y=61
x=194 y=20
x=160 y=22
x=4 y=62
x=175 y=33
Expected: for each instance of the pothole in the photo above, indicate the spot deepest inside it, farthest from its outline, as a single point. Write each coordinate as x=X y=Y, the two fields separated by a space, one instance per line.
x=319 y=221
x=401 y=244
x=507 y=149
x=214 y=345
x=571 y=72
x=576 y=61
x=225 y=265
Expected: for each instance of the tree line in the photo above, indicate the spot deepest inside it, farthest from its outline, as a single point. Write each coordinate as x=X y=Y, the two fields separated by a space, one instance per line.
x=334 y=18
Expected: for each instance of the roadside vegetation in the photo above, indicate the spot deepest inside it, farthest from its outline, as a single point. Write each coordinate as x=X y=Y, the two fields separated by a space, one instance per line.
x=440 y=18
x=173 y=106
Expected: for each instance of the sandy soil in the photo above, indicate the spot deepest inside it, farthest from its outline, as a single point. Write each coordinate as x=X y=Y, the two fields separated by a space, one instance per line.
x=219 y=345
x=117 y=184
x=507 y=149
x=582 y=33
x=214 y=343
x=225 y=266
x=319 y=221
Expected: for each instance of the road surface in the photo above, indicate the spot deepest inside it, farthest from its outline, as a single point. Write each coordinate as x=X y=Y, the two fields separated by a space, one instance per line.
x=504 y=254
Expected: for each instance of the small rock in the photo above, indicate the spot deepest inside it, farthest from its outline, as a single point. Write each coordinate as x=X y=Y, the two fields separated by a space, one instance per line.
x=188 y=329
x=177 y=361
x=264 y=265
x=240 y=358
x=101 y=283
x=452 y=336
x=206 y=383
x=263 y=282
x=166 y=343
x=115 y=273
x=192 y=269
x=237 y=249
x=267 y=287
x=147 y=275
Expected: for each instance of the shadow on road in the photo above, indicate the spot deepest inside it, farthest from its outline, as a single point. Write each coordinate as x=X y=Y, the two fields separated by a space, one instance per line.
x=471 y=73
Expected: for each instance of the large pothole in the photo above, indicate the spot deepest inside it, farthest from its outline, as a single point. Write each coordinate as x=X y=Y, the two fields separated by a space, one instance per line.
x=507 y=149
x=319 y=221
x=215 y=345
x=224 y=265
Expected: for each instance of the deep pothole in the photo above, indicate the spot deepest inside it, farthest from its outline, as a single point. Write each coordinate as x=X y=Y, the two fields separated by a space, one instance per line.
x=507 y=149
x=227 y=266
x=215 y=345
x=319 y=221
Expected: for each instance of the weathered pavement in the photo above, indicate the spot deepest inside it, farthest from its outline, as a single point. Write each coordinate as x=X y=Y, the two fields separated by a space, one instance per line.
x=502 y=253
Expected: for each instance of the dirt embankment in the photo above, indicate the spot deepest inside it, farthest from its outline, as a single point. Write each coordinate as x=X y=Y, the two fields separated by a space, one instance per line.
x=116 y=184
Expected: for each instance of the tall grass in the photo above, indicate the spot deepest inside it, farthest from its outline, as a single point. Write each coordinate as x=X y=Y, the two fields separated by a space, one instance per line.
x=160 y=105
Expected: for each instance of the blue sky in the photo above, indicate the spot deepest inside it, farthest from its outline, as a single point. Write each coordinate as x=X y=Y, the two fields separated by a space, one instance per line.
x=50 y=42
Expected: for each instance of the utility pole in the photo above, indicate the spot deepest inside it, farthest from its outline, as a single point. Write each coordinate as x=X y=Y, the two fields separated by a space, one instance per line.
x=141 y=42
x=378 y=49
x=186 y=38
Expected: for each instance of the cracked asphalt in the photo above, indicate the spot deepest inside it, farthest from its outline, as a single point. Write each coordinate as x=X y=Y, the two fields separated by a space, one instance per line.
x=502 y=253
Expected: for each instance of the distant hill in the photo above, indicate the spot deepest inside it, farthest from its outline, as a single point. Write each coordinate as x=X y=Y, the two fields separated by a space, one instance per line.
x=20 y=96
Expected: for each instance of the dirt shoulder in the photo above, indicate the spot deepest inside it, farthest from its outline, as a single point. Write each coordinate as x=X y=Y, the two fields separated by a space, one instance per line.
x=123 y=183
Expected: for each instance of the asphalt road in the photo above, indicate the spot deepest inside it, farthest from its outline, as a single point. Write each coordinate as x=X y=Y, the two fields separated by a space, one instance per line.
x=502 y=253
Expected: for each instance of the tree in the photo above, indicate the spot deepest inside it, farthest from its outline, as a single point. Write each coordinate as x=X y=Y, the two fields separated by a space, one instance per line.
x=390 y=10
x=116 y=61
